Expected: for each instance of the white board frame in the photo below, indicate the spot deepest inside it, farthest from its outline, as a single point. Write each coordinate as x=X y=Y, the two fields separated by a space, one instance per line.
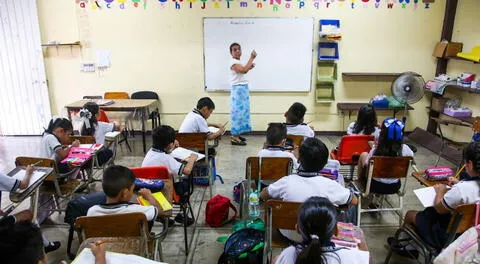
x=247 y=52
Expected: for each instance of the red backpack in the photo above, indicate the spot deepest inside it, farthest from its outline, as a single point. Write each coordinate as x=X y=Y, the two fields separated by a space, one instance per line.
x=217 y=211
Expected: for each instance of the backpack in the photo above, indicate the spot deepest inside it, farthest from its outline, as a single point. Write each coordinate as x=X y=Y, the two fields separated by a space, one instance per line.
x=217 y=211
x=244 y=247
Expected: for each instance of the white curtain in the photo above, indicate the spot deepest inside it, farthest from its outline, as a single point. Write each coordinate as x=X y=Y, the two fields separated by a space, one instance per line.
x=24 y=102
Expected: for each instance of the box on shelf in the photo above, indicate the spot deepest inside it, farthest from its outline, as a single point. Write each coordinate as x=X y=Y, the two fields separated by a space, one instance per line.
x=445 y=49
x=438 y=103
x=458 y=112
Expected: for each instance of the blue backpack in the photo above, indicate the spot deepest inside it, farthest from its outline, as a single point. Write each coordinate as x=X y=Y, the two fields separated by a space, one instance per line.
x=245 y=246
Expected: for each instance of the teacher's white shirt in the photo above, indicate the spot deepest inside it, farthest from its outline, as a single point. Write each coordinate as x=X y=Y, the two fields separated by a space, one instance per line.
x=235 y=77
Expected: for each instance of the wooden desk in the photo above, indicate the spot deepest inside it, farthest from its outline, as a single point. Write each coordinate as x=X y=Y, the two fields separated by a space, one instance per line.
x=419 y=177
x=141 y=106
x=32 y=191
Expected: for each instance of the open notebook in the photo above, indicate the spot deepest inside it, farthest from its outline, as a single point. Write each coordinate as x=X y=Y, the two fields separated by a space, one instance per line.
x=35 y=177
x=426 y=195
x=183 y=153
x=87 y=257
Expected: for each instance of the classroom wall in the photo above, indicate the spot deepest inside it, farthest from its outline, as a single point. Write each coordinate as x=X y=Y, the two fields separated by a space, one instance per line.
x=465 y=30
x=160 y=49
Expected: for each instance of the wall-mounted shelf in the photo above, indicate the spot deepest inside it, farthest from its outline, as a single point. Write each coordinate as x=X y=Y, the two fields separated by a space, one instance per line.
x=461 y=88
x=370 y=74
x=466 y=120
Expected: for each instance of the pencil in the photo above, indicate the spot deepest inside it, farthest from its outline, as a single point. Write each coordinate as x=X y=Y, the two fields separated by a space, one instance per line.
x=225 y=124
x=459 y=171
x=36 y=163
x=98 y=243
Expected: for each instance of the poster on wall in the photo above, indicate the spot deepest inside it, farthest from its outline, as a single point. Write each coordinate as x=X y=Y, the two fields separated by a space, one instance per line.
x=274 y=5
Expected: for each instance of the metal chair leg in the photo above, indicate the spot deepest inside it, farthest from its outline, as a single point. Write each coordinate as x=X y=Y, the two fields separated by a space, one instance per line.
x=185 y=218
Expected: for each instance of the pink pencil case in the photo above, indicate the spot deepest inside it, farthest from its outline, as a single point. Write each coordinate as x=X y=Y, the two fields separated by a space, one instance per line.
x=439 y=173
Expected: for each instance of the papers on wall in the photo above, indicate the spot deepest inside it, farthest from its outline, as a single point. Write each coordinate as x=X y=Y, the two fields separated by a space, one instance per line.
x=426 y=196
x=20 y=175
x=103 y=58
x=183 y=153
x=87 y=257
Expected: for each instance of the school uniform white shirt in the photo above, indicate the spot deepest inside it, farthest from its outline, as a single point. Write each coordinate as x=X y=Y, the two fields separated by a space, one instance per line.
x=157 y=157
x=235 y=77
x=296 y=188
x=464 y=192
x=8 y=183
x=194 y=122
x=300 y=130
x=375 y=133
x=123 y=208
x=406 y=152
x=48 y=146
x=101 y=129
x=278 y=153
x=340 y=256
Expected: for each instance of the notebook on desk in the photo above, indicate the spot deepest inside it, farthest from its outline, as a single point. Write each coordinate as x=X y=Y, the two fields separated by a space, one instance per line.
x=20 y=175
x=183 y=153
x=87 y=257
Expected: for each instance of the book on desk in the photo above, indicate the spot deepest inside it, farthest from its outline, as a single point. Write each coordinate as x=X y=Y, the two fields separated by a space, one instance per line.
x=20 y=175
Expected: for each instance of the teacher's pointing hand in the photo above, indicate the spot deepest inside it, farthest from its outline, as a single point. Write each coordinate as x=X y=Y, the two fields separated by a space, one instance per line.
x=253 y=55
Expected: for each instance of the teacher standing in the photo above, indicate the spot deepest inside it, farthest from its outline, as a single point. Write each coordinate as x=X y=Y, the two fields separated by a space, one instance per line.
x=239 y=95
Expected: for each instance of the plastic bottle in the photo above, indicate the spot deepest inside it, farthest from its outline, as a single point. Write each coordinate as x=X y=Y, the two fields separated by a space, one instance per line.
x=253 y=203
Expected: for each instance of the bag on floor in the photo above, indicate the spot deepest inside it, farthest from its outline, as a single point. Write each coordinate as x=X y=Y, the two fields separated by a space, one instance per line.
x=439 y=173
x=217 y=211
x=244 y=247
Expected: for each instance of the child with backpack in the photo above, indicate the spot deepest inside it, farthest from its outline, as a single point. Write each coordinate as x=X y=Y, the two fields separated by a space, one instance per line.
x=317 y=222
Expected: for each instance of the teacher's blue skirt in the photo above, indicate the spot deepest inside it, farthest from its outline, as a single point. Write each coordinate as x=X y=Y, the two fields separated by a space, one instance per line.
x=240 y=109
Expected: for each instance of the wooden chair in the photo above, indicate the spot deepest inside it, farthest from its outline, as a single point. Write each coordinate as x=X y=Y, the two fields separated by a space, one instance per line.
x=82 y=139
x=272 y=170
x=132 y=225
x=60 y=186
x=280 y=215
x=463 y=217
x=350 y=148
x=384 y=167
x=295 y=140
x=122 y=117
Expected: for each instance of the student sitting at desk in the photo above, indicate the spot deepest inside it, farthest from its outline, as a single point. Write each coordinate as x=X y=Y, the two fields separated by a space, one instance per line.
x=196 y=121
x=294 y=121
x=316 y=224
x=366 y=123
x=55 y=135
x=118 y=184
x=163 y=143
x=92 y=127
x=431 y=224
x=10 y=184
x=390 y=144
x=275 y=146
x=308 y=182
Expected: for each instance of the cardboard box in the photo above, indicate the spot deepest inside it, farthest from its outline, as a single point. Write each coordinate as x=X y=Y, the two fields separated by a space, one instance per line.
x=443 y=49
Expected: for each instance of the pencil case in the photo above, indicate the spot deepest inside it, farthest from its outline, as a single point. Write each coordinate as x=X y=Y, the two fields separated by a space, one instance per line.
x=439 y=173
x=151 y=184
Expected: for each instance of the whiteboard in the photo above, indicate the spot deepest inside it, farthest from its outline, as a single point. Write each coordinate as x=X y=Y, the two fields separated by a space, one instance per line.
x=284 y=47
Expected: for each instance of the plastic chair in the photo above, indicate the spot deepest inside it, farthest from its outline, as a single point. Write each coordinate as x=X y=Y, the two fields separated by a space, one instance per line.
x=280 y=215
x=155 y=114
x=272 y=170
x=350 y=148
x=463 y=217
x=384 y=167
x=131 y=225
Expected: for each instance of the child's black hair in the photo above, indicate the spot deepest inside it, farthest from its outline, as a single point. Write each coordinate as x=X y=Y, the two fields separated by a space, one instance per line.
x=59 y=122
x=472 y=153
x=162 y=136
x=276 y=132
x=115 y=179
x=22 y=244
x=366 y=120
x=386 y=146
x=313 y=155
x=295 y=113
x=205 y=101
x=233 y=45
x=317 y=220
x=93 y=108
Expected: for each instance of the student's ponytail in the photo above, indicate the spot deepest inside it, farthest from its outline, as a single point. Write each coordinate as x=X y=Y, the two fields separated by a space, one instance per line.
x=472 y=153
x=88 y=116
x=317 y=221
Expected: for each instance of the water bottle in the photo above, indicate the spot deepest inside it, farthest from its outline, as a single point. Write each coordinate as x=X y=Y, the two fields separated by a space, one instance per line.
x=253 y=204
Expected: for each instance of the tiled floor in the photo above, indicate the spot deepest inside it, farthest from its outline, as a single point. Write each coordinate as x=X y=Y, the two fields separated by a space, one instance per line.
x=231 y=166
